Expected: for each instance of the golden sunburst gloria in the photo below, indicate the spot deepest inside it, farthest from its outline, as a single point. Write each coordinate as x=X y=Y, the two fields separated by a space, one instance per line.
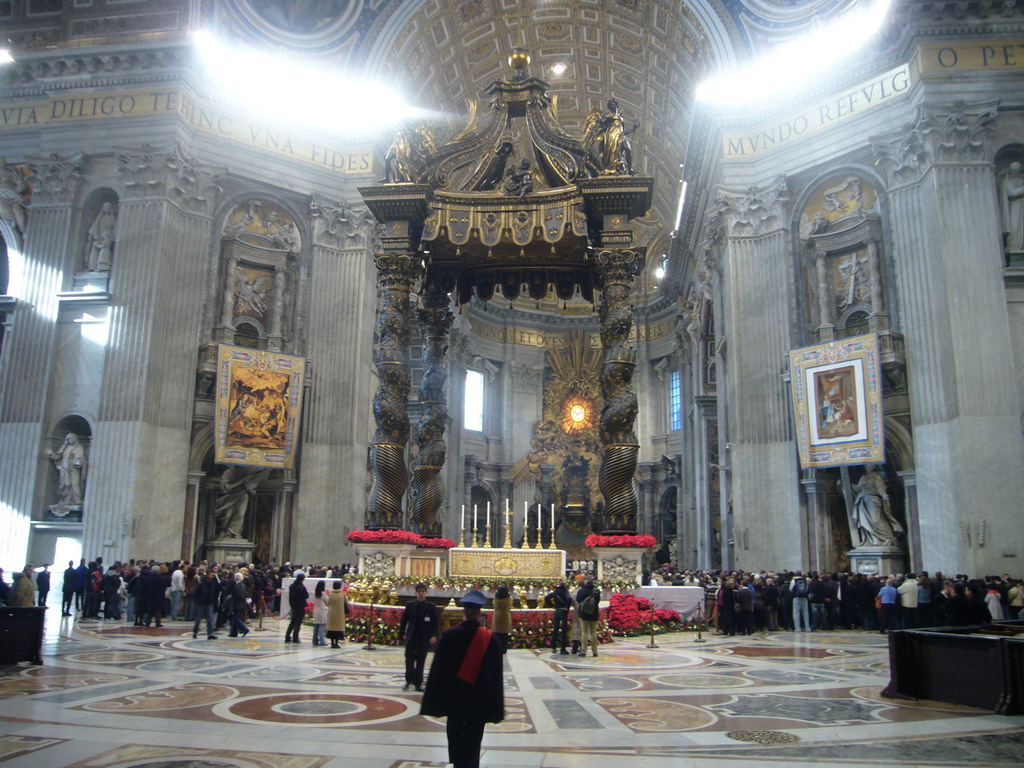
x=577 y=414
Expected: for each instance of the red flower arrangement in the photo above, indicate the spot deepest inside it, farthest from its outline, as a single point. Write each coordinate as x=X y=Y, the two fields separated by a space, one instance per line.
x=622 y=540
x=629 y=615
x=437 y=543
x=398 y=537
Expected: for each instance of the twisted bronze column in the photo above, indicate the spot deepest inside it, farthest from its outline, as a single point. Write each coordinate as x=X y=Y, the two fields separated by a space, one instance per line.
x=395 y=277
x=428 y=488
x=617 y=269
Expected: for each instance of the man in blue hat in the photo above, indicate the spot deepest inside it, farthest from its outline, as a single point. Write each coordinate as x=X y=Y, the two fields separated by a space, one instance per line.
x=466 y=683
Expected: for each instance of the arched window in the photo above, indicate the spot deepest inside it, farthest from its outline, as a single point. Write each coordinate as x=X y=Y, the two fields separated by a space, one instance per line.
x=248 y=335
x=473 y=412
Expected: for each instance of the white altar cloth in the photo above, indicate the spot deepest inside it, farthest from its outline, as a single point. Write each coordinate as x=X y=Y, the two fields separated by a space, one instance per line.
x=683 y=600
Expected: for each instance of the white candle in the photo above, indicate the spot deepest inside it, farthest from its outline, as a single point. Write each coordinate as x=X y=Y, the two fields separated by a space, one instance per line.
x=552 y=518
x=488 y=513
x=526 y=517
x=474 y=517
x=463 y=526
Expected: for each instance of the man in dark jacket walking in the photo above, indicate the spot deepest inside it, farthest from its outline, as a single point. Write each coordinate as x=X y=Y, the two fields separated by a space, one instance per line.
x=466 y=683
x=298 y=595
x=204 y=598
x=562 y=602
x=418 y=631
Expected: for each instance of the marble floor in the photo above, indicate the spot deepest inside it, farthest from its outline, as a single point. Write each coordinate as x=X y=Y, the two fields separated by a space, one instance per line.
x=115 y=695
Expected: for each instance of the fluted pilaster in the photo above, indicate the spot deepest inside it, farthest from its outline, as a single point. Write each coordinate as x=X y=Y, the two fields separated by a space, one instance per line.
x=340 y=320
x=140 y=450
x=948 y=258
x=38 y=275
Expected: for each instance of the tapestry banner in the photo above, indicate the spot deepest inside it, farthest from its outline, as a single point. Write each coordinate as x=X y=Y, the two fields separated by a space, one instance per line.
x=259 y=401
x=837 y=402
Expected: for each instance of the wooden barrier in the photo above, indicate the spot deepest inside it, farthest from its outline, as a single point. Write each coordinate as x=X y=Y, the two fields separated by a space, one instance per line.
x=21 y=634
x=980 y=666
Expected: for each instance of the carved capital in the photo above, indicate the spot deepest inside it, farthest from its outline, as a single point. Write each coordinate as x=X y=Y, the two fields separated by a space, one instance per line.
x=524 y=376
x=956 y=134
x=148 y=171
x=618 y=266
x=397 y=272
x=340 y=227
x=56 y=178
x=752 y=212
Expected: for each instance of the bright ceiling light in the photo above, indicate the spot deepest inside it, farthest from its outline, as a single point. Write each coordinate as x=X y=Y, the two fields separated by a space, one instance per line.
x=5 y=56
x=299 y=94
x=797 y=60
x=559 y=68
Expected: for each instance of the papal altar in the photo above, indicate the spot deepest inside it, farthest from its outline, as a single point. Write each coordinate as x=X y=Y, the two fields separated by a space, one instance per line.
x=506 y=563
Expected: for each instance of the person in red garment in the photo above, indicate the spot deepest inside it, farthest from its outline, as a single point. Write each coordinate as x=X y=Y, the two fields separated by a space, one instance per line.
x=466 y=683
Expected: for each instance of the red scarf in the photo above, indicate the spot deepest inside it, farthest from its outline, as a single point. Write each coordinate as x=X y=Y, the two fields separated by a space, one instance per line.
x=470 y=669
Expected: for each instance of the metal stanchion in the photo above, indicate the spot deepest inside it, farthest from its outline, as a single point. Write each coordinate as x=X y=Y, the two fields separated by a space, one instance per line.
x=652 y=644
x=700 y=620
x=369 y=630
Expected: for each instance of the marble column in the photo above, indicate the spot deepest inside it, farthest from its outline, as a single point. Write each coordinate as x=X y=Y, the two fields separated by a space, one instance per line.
x=756 y=432
x=949 y=270
x=140 y=451
x=335 y=430
x=395 y=276
x=29 y=349
x=617 y=269
x=428 y=487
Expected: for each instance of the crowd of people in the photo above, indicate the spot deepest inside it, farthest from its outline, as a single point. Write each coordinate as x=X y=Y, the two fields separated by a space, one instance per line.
x=147 y=593
x=744 y=603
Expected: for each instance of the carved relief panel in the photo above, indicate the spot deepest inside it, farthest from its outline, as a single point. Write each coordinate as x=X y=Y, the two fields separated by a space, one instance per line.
x=841 y=238
x=259 y=246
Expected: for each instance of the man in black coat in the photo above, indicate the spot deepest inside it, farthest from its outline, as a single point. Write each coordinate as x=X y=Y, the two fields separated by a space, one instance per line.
x=466 y=683
x=43 y=585
x=418 y=631
x=68 y=591
x=204 y=598
x=298 y=596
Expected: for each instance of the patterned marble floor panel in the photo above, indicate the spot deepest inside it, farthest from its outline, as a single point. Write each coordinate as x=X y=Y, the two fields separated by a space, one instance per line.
x=128 y=697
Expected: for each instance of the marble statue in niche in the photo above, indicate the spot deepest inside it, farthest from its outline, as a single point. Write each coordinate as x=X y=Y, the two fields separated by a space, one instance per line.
x=237 y=487
x=71 y=463
x=872 y=517
x=99 y=253
x=1011 y=199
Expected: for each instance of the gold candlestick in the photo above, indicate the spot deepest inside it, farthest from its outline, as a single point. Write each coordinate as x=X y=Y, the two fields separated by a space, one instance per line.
x=552 y=544
x=462 y=538
x=472 y=544
x=487 y=540
x=508 y=532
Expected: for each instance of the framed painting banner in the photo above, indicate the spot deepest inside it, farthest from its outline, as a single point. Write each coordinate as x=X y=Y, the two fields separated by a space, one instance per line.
x=837 y=402
x=259 y=401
